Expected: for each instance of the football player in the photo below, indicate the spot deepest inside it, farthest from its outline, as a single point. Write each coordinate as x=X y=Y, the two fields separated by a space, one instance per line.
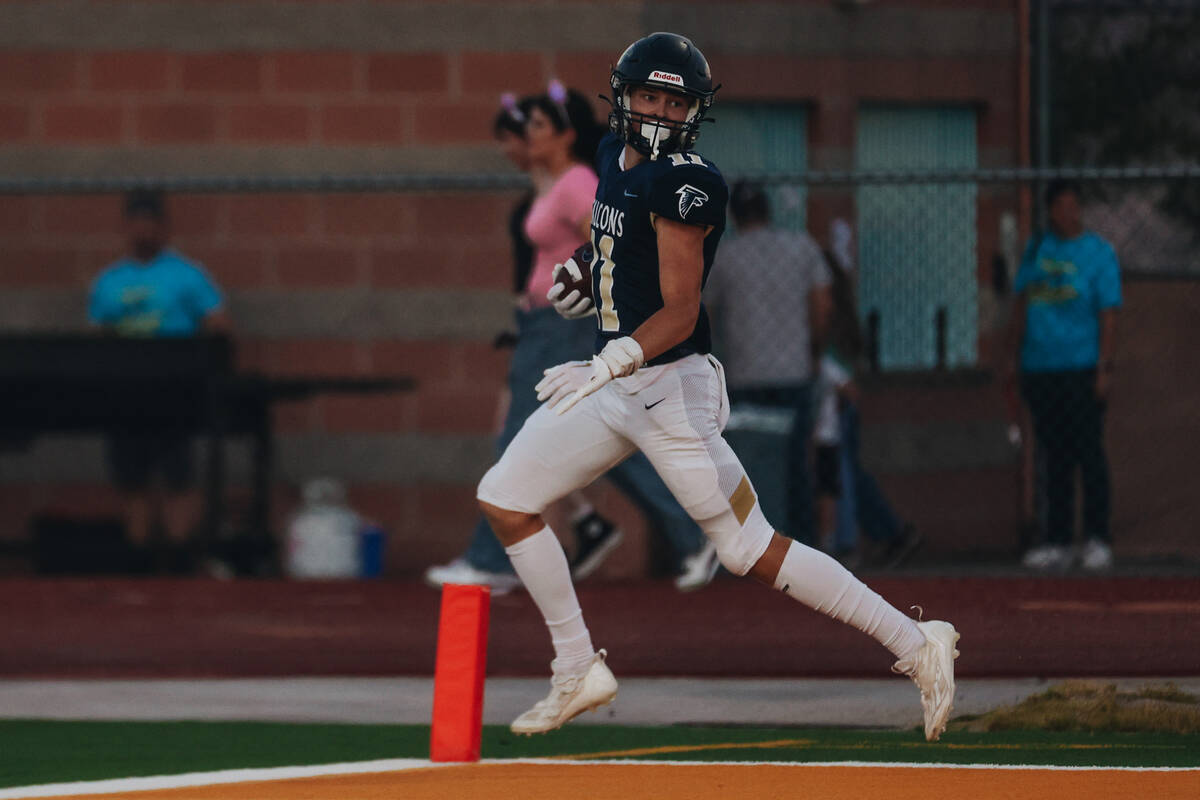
x=653 y=386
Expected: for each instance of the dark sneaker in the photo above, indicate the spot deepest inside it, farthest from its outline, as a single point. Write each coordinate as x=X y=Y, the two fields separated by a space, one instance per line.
x=595 y=538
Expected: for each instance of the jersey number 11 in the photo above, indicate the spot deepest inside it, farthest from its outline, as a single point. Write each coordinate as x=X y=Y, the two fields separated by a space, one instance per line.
x=608 y=307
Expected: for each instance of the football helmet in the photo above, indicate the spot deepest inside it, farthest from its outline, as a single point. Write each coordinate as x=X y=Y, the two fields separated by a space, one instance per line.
x=668 y=61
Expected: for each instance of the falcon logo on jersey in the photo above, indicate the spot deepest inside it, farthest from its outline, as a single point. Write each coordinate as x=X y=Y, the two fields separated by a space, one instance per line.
x=689 y=197
x=667 y=77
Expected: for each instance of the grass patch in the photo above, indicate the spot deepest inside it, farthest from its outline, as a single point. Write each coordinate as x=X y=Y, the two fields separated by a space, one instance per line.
x=42 y=751
x=1092 y=706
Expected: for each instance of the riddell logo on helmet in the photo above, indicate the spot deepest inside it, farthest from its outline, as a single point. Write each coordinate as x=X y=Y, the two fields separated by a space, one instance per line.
x=667 y=77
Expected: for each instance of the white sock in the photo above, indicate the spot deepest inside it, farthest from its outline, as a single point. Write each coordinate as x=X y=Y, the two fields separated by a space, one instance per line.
x=823 y=584
x=541 y=564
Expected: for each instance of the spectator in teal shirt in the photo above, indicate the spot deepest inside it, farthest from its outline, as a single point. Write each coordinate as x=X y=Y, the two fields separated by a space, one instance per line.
x=152 y=292
x=1064 y=338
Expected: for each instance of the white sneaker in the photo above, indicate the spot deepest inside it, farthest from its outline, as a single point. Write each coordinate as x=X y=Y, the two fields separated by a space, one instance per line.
x=932 y=670
x=1096 y=556
x=1049 y=558
x=699 y=568
x=570 y=696
x=460 y=572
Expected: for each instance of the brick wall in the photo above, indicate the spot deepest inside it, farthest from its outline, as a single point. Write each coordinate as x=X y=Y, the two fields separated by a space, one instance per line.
x=379 y=284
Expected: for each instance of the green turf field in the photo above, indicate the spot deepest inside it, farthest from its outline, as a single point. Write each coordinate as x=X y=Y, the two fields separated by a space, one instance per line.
x=34 y=752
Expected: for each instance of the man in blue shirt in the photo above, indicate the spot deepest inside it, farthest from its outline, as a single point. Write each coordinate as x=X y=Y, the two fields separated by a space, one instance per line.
x=1069 y=290
x=152 y=292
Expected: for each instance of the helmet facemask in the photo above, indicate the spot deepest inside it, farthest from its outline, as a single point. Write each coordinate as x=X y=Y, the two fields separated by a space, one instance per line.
x=651 y=135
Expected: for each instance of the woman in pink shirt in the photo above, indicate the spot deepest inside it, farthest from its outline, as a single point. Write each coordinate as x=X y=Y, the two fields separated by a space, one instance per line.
x=560 y=137
x=556 y=146
x=560 y=218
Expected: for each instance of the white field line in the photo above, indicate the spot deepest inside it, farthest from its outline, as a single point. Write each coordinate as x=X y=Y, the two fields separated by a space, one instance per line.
x=187 y=779
x=159 y=782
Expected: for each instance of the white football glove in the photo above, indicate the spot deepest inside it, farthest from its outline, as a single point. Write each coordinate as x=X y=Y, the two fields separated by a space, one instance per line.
x=620 y=358
x=562 y=380
x=574 y=305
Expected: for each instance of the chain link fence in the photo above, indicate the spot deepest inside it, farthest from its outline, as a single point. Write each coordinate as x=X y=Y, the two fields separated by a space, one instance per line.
x=933 y=258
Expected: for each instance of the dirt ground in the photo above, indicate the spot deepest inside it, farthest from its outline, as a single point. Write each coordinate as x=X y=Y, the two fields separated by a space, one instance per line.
x=701 y=782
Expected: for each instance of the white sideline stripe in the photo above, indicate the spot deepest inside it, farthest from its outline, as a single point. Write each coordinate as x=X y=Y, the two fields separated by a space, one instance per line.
x=157 y=782
x=187 y=779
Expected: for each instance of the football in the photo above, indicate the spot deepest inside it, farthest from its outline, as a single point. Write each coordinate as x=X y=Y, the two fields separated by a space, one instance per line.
x=583 y=258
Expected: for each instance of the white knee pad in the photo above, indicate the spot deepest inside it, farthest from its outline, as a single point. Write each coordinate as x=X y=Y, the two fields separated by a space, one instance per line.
x=739 y=546
x=497 y=490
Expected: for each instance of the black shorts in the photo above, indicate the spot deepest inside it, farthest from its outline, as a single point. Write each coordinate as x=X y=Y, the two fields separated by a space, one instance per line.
x=136 y=460
x=827 y=470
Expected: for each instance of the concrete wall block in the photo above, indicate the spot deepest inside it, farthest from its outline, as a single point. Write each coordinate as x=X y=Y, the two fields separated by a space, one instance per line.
x=39 y=267
x=937 y=446
x=29 y=70
x=16 y=122
x=389 y=458
x=495 y=72
x=166 y=123
x=124 y=71
x=265 y=25
x=43 y=310
x=240 y=160
x=875 y=30
x=385 y=458
x=82 y=123
x=360 y=123
x=259 y=122
x=309 y=73
x=223 y=73
x=363 y=313
x=423 y=73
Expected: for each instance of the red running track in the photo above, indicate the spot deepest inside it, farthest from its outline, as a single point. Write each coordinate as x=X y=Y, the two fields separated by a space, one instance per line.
x=1122 y=626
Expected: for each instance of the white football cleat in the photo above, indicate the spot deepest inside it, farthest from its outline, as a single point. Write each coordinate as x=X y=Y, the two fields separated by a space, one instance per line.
x=932 y=670
x=699 y=568
x=570 y=696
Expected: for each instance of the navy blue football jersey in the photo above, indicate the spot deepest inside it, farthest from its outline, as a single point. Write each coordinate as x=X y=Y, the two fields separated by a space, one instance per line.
x=680 y=186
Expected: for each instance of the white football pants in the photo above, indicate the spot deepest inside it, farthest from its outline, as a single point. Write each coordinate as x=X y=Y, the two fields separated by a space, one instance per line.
x=674 y=413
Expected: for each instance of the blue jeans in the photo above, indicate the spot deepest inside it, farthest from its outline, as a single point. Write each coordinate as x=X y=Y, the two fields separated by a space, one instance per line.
x=862 y=503
x=544 y=340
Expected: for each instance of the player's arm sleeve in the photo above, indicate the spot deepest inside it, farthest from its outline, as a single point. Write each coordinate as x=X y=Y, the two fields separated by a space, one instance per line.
x=691 y=194
x=1108 y=279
